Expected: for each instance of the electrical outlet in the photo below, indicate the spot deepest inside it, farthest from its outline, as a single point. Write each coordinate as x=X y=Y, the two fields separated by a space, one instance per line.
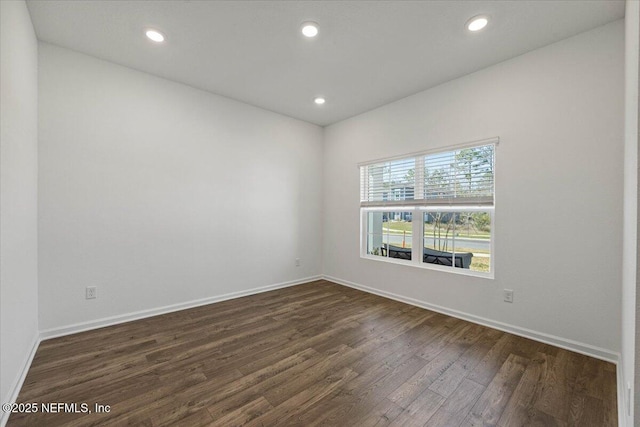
x=508 y=295
x=92 y=292
x=297 y=262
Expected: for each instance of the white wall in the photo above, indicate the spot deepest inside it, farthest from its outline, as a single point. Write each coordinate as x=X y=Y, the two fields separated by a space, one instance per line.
x=159 y=193
x=18 y=193
x=559 y=113
x=629 y=352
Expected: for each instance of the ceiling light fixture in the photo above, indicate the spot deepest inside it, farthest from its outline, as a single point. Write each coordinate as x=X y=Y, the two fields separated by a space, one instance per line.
x=319 y=100
x=477 y=23
x=155 y=36
x=310 y=29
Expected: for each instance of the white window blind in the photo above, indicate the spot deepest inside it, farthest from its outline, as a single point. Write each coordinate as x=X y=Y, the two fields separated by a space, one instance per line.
x=461 y=176
x=390 y=182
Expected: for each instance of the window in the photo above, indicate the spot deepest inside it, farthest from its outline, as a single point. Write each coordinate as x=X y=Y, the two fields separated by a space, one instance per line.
x=431 y=209
x=389 y=234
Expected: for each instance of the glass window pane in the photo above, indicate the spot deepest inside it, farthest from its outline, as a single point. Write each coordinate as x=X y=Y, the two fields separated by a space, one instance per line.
x=398 y=229
x=374 y=245
x=460 y=239
x=473 y=235
x=389 y=234
x=375 y=235
x=439 y=228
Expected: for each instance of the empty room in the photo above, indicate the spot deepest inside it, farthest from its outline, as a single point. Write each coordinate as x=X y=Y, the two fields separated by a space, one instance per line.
x=336 y=213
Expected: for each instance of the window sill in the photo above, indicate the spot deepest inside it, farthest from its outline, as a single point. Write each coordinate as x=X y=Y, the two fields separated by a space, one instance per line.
x=425 y=266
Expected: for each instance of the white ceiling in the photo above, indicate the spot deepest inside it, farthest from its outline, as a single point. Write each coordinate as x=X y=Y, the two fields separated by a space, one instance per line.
x=368 y=53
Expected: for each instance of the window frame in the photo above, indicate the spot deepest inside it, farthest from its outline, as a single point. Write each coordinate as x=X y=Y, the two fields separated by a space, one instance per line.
x=364 y=223
x=418 y=211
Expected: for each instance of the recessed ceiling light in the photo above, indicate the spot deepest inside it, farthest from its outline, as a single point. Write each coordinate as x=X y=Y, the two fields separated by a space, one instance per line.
x=155 y=36
x=319 y=100
x=310 y=29
x=477 y=23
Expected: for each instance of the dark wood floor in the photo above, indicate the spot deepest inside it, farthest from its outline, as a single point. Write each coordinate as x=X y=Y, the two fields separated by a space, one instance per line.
x=315 y=354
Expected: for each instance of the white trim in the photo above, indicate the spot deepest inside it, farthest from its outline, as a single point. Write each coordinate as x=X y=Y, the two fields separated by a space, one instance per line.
x=493 y=140
x=15 y=388
x=427 y=266
x=114 y=320
x=418 y=244
x=567 y=344
x=388 y=259
x=622 y=398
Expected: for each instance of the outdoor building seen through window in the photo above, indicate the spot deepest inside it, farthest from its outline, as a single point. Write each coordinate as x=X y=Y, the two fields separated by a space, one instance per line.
x=434 y=209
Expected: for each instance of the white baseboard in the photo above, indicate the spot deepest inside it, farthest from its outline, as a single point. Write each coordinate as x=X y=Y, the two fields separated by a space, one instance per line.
x=17 y=383
x=622 y=404
x=567 y=344
x=114 y=320
x=624 y=420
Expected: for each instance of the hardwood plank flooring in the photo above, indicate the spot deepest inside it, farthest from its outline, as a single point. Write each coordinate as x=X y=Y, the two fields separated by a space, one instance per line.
x=314 y=354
